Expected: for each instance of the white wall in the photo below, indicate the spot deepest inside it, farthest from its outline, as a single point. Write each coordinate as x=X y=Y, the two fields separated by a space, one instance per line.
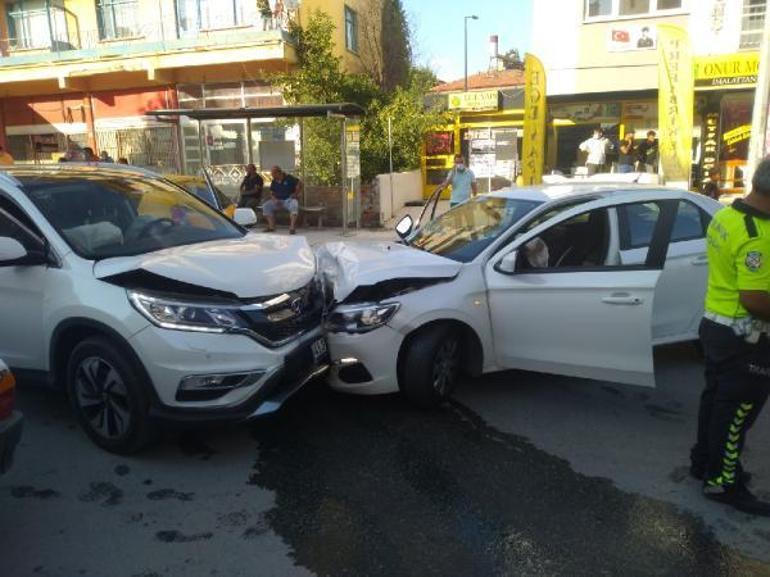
x=715 y=26
x=556 y=41
x=407 y=187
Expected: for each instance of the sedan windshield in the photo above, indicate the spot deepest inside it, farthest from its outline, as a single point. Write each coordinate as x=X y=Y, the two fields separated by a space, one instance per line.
x=107 y=215
x=465 y=231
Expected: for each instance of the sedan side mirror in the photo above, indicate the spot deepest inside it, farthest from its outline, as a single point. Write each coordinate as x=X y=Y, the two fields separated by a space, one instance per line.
x=245 y=217
x=13 y=253
x=507 y=264
x=405 y=226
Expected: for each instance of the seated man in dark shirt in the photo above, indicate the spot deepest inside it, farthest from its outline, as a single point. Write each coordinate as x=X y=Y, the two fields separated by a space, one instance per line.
x=251 y=188
x=285 y=190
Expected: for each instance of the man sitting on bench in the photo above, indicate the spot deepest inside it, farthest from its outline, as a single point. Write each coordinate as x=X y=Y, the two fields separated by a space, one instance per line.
x=284 y=191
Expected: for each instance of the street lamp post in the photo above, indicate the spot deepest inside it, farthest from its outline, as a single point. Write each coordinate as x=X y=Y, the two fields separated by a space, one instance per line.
x=465 y=21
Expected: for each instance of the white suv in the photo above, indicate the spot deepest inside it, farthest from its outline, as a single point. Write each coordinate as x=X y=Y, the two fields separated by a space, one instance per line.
x=147 y=304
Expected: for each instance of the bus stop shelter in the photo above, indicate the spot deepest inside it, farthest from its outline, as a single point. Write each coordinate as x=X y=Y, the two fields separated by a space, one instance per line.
x=350 y=169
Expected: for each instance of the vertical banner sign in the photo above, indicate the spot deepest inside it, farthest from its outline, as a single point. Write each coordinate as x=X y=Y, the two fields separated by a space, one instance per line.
x=675 y=102
x=533 y=153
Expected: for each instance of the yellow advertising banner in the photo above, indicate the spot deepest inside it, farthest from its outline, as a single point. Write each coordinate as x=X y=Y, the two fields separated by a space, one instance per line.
x=475 y=101
x=675 y=102
x=533 y=148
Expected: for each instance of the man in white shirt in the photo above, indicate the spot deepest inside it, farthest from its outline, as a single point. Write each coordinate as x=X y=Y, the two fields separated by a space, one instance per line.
x=597 y=147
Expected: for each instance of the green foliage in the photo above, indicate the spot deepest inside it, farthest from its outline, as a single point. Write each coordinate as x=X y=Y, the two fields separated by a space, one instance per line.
x=396 y=46
x=319 y=79
x=512 y=60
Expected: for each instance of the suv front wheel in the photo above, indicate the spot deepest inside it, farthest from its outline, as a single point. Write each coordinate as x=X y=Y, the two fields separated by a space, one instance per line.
x=108 y=396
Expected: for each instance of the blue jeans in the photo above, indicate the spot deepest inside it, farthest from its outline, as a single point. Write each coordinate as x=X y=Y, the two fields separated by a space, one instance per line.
x=625 y=168
x=290 y=204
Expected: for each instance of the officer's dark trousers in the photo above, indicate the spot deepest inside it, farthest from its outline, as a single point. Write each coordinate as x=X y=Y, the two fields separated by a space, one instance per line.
x=737 y=386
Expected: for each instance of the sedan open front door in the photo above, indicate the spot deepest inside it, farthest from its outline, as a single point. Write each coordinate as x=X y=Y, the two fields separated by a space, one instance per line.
x=566 y=304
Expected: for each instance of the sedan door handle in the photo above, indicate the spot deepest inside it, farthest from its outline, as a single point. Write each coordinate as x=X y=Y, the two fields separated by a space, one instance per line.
x=622 y=299
x=701 y=260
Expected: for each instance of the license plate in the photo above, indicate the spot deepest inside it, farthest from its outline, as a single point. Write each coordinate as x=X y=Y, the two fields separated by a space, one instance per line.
x=319 y=349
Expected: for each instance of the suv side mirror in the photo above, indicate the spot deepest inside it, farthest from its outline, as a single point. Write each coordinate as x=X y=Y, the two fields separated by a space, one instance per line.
x=245 y=217
x=13 y=253
x=405 y=226
x=507 y=264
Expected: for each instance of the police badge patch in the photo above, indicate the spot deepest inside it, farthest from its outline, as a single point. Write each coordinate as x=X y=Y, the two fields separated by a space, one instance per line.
x=754 y=260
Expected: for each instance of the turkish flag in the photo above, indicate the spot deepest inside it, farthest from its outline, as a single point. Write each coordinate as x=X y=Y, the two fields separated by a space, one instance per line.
x=621 y=36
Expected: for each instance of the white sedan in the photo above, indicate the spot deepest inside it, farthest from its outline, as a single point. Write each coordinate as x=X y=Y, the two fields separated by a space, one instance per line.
x=578 y=280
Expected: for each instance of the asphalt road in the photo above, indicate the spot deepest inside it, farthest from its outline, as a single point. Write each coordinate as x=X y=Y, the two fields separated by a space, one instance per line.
x=524 y=474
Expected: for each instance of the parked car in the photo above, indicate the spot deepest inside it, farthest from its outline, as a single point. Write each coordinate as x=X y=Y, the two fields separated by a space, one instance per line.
x=145 y=303
x=10 y=420
x=577 y=280
x=209 y=193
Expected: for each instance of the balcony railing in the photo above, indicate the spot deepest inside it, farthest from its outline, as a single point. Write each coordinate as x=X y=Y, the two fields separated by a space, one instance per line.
x=51 y=42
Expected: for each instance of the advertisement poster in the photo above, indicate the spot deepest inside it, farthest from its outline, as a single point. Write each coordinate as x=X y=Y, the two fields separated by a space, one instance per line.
x=626 y=38
x=533 y=147
x=675 y=102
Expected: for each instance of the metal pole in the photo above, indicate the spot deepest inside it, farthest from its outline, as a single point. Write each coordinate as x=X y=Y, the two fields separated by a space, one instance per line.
x=390 y=152
x=249 y=142
x=759 y=117
x=302 y=158
x=200 y=144
x=344 y=175
x=465 y=85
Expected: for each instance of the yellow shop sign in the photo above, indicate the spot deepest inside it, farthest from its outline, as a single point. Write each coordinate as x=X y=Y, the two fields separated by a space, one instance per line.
x=483 y=100
x=729 y=71
x=737 y=135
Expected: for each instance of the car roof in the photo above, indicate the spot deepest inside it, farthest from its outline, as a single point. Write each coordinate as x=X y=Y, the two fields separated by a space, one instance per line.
x=68 y=169
x=554 y=192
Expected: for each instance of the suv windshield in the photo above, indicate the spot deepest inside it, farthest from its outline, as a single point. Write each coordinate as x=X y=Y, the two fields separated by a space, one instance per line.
x=466 y=230
x=107 y=215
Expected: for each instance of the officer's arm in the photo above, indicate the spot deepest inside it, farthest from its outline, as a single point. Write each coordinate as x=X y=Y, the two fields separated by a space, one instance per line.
x=757 y=303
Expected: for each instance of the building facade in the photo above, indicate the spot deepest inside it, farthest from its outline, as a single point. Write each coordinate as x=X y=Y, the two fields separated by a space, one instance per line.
x=602 y=69
x=486 y=128
x=89 y=71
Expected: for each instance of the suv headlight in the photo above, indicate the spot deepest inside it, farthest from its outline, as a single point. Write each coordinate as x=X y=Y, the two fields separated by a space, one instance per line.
x=360 y=318
x=186 y=316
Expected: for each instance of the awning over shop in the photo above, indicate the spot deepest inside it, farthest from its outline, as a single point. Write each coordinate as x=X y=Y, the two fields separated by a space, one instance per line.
x=346 y=109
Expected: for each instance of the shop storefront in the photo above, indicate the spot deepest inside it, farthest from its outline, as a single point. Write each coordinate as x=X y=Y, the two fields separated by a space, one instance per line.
x=486 y=131
x=724 y=88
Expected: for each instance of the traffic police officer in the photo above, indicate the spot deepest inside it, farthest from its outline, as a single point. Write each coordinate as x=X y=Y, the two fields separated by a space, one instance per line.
x=734 y=335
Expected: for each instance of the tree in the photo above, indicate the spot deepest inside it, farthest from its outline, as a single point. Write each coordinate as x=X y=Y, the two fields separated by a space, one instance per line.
x=319 y=79
x=512 y=60
x=397 y=48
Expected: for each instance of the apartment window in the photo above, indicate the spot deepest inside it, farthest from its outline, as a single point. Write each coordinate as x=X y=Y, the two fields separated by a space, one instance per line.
x=607 y=9
x=752 y=23
x=117 y=19
x=351 y=29
x=31 y=26
x=196 y=15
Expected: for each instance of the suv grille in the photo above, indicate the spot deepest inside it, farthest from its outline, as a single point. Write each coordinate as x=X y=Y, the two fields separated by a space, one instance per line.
x=300 y=312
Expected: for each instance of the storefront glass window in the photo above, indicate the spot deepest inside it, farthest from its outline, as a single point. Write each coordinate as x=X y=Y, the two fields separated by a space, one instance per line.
x=439 y=143
x=736 y=133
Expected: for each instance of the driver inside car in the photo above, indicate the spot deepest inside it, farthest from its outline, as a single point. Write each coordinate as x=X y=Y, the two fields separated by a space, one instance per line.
x=537 y=253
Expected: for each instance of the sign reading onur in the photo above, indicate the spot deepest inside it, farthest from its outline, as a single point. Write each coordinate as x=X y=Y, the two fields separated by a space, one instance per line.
x=482 y=100
x=729 y=71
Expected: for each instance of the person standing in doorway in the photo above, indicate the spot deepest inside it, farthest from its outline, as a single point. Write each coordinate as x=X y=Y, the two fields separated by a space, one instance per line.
x=736 y=345
x=711 y=187
x=462 y=180
x=626 y=156
x=597 y=147
x=648 y=152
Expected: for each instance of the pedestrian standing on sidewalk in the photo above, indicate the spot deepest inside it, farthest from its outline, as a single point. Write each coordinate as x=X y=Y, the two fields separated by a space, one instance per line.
x=736 y=345
x=648 y=153
x=462 y=180
x=626 y=157
x=597 y=147
x=711 y=186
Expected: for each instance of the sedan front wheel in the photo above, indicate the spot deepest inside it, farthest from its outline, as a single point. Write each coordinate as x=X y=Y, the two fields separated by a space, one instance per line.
x=431 y=366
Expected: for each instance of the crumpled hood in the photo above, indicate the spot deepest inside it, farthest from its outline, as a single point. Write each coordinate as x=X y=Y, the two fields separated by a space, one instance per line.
x=349 y=265
x=254 y=266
